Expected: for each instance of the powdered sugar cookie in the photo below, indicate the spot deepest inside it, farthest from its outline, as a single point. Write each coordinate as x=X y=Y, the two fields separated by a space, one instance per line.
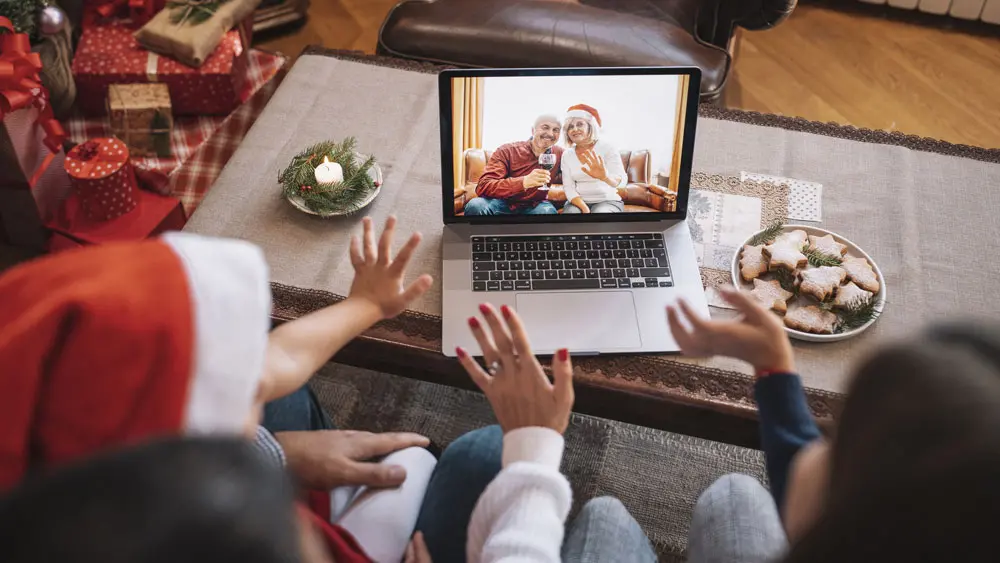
x=827 y=245
x=820 y=265
x=861 y=273
x=821 y=282
x=811 y=319
x=786 y=251
x=753 y=263
x=849 y=294
x=771 y=294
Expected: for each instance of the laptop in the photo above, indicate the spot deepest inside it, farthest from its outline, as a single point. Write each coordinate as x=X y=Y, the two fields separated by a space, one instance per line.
x=588 y=249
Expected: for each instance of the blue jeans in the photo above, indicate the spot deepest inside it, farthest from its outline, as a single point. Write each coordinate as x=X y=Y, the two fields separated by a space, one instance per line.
x=736 y=520
x=491 y=206
x=466 y=467
x=299 y=411
x=603 y=531
x=597 y=207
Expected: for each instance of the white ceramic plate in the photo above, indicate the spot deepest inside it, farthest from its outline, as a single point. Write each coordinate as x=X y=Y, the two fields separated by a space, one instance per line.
x=374 y=172
x=852 y=250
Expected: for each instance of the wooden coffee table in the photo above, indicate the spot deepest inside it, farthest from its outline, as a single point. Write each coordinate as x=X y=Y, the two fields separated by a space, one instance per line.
x=884 y=191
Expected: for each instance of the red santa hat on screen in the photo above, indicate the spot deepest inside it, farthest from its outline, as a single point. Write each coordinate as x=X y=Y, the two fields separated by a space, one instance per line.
x=586 y=112
x=110 y=345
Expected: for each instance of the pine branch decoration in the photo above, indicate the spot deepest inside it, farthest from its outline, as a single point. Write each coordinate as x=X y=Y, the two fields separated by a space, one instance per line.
x=23 y=14
x=193 y=12
x=768 y=235
x=299 y=178
x=787 y=280
x=818 y=258
x=858 y=313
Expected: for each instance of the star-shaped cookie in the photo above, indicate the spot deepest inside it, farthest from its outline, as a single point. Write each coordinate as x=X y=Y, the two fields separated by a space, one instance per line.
x=771 y=294
x=811 y=319
x=827 y=245
x=753 y=263
x=821 y=282
x=861 y=273
x=786 y=251
x=848 y=294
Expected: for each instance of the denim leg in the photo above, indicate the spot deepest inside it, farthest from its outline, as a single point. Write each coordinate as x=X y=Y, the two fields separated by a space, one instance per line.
x=607 y=207
x=466 y=467
x=543 y=208
x=486 y=206
x=735 y=519
x=605 y=531
x=298 y=411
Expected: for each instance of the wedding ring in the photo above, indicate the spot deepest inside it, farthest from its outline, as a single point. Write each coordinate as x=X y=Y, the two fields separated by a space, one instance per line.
x=494 y=368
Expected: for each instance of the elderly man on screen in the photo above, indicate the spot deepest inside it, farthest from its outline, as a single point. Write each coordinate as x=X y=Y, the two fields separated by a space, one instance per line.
x=514 y=182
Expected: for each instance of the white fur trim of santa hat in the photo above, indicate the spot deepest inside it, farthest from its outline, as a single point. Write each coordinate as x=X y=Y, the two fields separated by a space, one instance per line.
x=231 y=301
x=583 y=111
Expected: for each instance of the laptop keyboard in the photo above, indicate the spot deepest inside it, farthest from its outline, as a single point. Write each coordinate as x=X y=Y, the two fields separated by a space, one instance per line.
x=555 y=262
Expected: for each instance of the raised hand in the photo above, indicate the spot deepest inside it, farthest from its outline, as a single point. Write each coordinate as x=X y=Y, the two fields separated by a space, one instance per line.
x=758 y=338
x=515 y=383
x=593 y=165
x=324 y=459
x=378 y=278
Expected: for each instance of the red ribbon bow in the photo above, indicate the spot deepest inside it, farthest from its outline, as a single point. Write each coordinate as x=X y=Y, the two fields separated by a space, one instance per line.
x=21 y=87
x=88 y=157
x=140 y=10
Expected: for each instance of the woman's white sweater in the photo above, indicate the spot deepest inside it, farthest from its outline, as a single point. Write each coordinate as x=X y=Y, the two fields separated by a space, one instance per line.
x=522 y=514
x=576 y=182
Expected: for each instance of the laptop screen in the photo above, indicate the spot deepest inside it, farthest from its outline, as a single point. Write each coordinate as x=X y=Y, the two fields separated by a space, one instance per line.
x=552 y=145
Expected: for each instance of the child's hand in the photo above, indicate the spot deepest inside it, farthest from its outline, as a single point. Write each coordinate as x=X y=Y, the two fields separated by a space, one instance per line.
x=378 y=279
x=758 y=338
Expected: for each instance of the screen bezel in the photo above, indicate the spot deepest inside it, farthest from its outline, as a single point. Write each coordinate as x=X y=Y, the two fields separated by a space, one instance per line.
x=447 y=148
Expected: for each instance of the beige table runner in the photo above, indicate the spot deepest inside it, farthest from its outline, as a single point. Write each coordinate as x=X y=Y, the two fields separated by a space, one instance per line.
x=929 y=219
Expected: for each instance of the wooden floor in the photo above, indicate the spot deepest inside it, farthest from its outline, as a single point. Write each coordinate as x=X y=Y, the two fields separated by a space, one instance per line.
x=821 y=64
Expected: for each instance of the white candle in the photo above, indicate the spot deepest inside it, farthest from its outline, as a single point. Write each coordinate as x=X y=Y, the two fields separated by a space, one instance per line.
x=329 y=172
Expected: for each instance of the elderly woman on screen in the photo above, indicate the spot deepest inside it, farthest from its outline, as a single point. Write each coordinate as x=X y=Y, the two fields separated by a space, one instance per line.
x=592 y=171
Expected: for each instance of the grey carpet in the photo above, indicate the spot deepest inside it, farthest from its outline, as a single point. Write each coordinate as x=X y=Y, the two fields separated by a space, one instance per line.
x=658 y=475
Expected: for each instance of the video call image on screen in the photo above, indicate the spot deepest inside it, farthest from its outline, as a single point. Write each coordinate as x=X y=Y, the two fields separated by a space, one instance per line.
x=567 y=144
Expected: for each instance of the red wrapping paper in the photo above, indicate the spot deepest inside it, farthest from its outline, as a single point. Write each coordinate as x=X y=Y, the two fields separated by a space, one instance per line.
x=139 y=11
x=108 y=54
x=154 y=214
x=103 y=179
x=32 y=182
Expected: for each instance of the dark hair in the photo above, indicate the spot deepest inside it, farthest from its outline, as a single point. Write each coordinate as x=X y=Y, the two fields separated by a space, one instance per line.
x=915 y=465
x=190 y=501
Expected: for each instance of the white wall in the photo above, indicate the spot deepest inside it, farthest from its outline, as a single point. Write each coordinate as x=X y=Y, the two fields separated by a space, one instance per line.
x=637 y=112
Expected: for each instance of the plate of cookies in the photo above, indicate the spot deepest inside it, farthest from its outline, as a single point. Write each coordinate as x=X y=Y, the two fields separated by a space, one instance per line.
x=824 y=286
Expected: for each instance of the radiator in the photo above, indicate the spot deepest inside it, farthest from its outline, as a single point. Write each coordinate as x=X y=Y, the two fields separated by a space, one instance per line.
x=985 y=10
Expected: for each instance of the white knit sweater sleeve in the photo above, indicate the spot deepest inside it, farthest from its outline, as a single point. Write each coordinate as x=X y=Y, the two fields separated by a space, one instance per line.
x=614 y=166
x=521 y=514
x=569 y=184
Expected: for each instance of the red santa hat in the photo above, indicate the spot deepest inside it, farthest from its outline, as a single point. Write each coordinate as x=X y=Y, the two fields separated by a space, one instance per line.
x=111 y=345
x=586 y=112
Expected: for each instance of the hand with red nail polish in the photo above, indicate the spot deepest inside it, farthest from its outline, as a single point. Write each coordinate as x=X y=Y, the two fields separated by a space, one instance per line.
x=514 y=382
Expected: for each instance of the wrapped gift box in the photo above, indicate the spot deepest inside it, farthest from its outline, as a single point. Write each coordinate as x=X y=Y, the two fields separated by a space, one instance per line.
x=32 y=180
x=108 y=54
x=102 y=177
x=154 y=214
x=140 y=116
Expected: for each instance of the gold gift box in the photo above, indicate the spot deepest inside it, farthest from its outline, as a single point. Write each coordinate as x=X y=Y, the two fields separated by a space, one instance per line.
x=141 y=116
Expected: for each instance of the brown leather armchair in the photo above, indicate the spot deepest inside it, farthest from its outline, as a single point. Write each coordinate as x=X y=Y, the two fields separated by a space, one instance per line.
x=639 y=195
x=555 y=33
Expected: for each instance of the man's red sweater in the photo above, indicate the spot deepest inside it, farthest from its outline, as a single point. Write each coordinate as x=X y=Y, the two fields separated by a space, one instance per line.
x=505 y=171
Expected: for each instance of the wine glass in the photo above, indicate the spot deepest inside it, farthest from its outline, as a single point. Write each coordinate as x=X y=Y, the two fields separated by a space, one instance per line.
x=547 y=161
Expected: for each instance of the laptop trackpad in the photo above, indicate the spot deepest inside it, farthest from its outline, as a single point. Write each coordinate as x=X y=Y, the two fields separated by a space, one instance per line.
x=599 y=321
